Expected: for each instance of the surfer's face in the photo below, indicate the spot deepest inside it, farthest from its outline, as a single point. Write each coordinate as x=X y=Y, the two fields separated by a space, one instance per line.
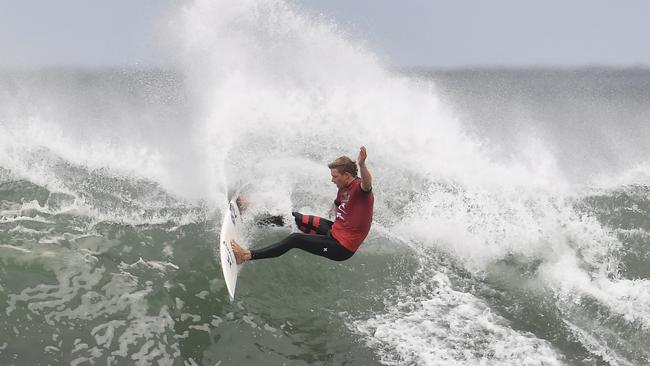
x=341 y=180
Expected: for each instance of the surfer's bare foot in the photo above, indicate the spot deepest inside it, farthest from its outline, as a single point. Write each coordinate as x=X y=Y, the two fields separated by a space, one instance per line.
x=241 y=255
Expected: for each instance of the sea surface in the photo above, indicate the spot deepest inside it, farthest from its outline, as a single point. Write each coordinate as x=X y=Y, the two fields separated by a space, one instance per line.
x=511 y=224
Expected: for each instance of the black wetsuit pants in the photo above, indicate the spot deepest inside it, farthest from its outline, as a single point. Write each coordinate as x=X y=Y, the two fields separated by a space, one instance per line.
x=315 y=239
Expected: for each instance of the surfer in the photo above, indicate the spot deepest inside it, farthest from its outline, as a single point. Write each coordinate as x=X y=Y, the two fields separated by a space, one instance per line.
x=337 y=240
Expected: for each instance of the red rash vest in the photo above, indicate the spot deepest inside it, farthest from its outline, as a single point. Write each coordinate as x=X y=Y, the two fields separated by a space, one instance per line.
x=353 y=215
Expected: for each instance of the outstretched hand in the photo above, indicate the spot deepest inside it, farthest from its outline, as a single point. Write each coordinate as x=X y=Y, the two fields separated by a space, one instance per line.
x=363 y=154
x=366 y=178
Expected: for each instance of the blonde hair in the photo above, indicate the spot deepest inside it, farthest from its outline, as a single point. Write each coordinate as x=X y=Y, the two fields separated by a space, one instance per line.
x=344 y=165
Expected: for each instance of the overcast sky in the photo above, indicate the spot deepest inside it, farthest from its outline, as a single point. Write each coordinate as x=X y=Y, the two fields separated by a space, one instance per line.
x=406 y=33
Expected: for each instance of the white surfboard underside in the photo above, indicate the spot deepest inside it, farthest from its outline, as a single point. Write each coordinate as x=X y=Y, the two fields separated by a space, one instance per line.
x=231 y=219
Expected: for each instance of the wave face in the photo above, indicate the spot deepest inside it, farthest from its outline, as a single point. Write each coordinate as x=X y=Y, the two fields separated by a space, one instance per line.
x=512 y=207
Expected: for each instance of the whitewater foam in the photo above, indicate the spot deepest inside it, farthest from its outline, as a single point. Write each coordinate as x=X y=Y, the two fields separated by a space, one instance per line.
x=449 y=327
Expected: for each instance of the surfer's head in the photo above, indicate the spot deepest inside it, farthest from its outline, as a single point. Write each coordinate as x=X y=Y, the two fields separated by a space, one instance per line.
x=343 y=170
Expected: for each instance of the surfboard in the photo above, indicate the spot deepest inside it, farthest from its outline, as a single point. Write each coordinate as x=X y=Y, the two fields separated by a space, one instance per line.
x=229 y=231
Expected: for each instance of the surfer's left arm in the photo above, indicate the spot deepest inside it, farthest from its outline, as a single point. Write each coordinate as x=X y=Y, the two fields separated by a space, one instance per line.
x=366 y=178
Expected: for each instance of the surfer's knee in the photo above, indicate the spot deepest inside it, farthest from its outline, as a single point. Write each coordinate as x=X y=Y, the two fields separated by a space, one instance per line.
x=297 y=216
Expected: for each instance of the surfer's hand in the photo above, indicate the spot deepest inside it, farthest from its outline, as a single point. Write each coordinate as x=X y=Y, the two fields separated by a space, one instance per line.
x=331 y=214
x=363 y=154
x=366 y=178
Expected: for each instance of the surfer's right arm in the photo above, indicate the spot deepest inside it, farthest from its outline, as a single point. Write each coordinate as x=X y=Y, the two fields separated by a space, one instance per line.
x=366 y=178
